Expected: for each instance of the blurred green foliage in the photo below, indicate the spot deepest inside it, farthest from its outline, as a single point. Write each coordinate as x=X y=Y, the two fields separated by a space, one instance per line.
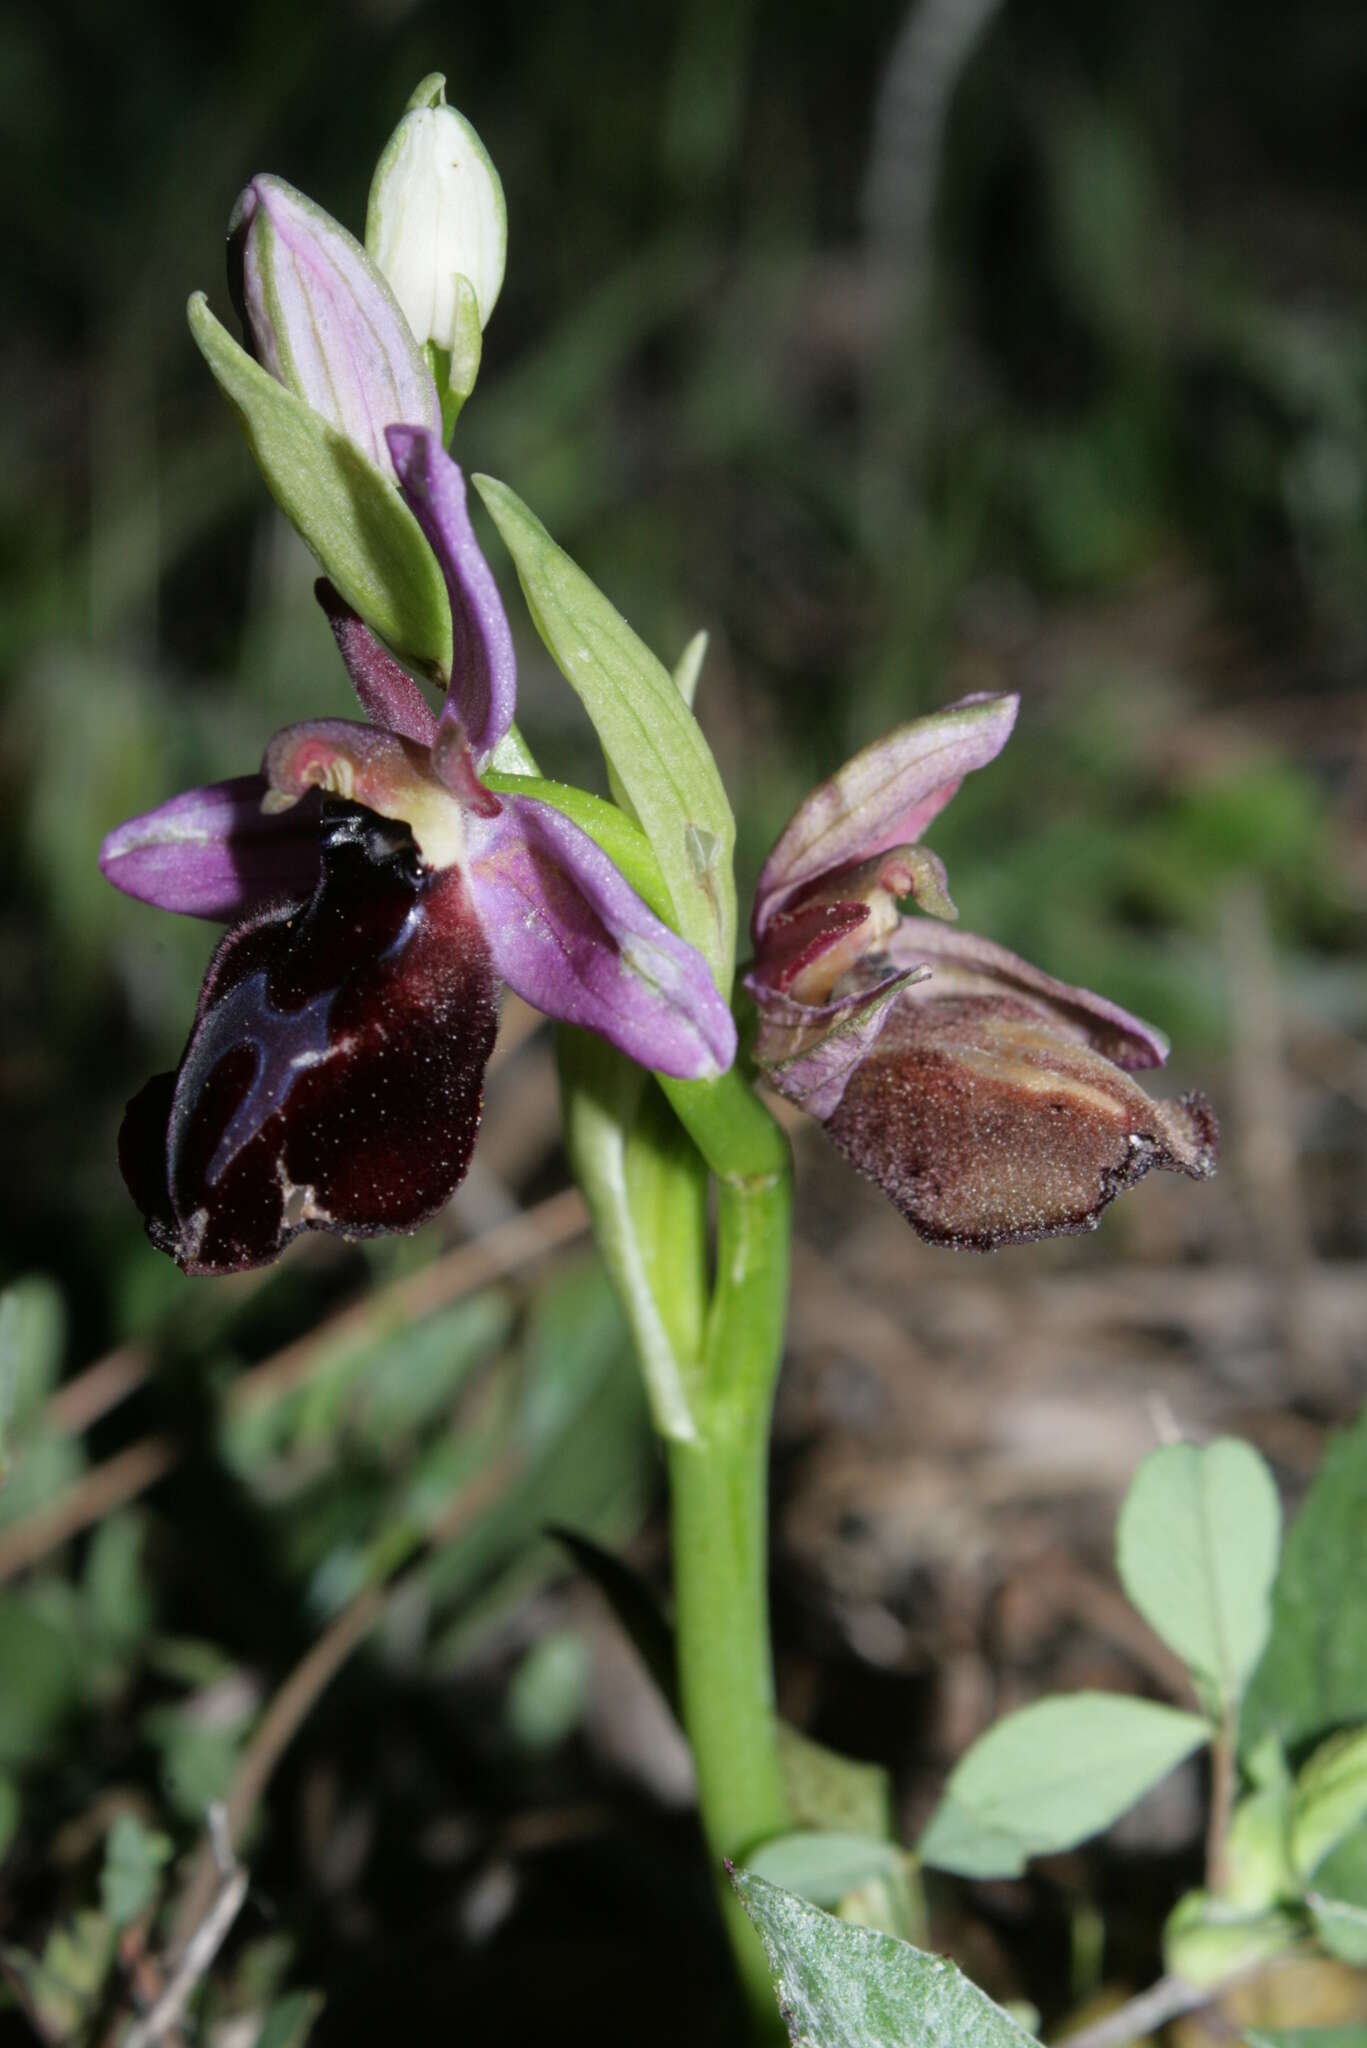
x=1100 y=433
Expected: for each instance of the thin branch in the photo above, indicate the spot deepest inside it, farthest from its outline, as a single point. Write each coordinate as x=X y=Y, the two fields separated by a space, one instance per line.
x=1166 y=2000
x=300 y=1692
x=203 y=1945
x=1224 y=1772
x=109 y=1486
x=111 y=1379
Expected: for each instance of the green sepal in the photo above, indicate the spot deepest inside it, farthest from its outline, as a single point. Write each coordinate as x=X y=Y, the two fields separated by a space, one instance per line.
x=428 y=92
x=348 y=513
x=652 y=741
x=455 y=369
x=687 y=671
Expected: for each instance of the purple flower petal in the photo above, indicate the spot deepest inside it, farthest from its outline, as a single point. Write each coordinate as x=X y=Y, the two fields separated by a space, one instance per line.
x=885 y=797
x=334 y=1074
x=389 y=696
x=483 y=689
x=569 y=934
x=807 y=1053
x=214 y=853
x=988 y=1123
x=323 y=321
x=962 y=964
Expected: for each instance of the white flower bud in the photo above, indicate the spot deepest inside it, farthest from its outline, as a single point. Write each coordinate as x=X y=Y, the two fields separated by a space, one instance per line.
x=436 y=216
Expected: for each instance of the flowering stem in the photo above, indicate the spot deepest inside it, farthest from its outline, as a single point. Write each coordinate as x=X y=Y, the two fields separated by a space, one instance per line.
x=719 y=1492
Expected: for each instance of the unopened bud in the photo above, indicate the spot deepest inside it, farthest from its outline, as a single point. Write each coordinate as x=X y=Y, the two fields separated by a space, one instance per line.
x=436 y=223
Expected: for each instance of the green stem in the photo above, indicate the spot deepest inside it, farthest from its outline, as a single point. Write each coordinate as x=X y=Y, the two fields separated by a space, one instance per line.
x=719 y=1494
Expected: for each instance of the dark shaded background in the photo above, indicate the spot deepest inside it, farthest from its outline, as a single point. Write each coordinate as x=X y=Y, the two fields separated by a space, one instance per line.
x=910 y=352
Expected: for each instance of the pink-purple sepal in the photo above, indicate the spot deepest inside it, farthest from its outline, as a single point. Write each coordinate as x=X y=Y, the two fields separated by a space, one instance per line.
x=482 y=694
x=885 y=797
x=214 y=853
x=573 y=938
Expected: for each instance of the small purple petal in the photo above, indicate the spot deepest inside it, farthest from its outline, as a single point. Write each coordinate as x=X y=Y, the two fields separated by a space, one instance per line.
x=333 y=1077
x=483 y=690
x=885 y=797
x=214 y=853
x=389 y=696
x=324 y=322
x=962 y=964
x=797 y=938
x=569 y=934
x=808 y=1053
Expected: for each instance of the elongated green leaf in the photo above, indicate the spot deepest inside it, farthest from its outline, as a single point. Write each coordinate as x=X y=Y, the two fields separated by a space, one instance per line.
x=1196 y=1549
x=1338 y=1900
x=1308 y=2037
x=350 y=515
x=1049 y=1776
x=825 y=1867
x=1313 y=1676
x=134 y=1858
x=637 y=1610
x=847 y=1987
x=290 y=2021
x=32 y=1334
x=1330 y=1799
x=651 y=739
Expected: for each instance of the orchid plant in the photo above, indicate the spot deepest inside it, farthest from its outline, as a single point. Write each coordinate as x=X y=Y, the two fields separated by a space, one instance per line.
x=383 y=880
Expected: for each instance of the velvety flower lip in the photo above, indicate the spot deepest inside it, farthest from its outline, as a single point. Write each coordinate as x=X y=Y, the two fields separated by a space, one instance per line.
x=381 y=893
x=989 y=1101
x=334 y=1073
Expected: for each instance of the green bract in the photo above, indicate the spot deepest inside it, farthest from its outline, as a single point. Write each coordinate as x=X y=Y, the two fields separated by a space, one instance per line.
x=652 y=740
x=350 y=516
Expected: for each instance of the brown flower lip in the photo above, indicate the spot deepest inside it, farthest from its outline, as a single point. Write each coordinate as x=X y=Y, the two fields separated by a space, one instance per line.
x=991 y=1103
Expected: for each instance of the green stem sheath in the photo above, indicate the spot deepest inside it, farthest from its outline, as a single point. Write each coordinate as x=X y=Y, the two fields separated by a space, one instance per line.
x=719 y=1488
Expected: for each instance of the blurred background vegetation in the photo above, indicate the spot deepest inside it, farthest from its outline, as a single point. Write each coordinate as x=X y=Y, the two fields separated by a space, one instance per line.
x=978 y=344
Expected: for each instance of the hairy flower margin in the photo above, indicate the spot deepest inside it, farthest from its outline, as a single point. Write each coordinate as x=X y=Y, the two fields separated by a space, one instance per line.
x=378 y=890
x=992 y=1104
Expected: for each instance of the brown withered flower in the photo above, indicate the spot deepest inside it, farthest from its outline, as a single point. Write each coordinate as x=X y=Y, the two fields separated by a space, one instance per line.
x=991 y=1103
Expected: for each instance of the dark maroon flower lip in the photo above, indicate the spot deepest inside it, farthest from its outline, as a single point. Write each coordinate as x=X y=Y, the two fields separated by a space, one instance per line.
x=334 y=1075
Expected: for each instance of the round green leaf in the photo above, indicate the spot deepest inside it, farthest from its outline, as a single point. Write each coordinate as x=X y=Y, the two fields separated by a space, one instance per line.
x=1196 y=1549
x=1049 y=1776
